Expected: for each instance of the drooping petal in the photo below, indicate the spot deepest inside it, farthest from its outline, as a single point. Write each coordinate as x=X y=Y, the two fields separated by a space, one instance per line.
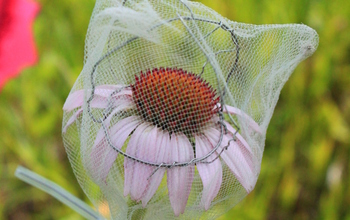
x=102 y=154
x=240 y=140
x=122 y=104
x=74 y=100
x=180 y=179
x=100 y=100
x=211 y=174
x=118 y=90
x=123 y=129
x=161 y=154
x=239 y=161
x=72 y=119
x=251 y=122
x=141 y=172
x=135 y=140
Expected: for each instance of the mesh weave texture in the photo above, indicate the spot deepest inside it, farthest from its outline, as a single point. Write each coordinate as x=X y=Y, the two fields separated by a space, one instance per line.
x=168 y=117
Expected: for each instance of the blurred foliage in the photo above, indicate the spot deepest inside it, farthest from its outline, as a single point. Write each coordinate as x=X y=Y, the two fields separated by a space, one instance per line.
x=305 y=168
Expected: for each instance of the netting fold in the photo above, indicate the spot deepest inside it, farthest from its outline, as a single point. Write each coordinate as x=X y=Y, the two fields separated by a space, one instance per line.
x=168 y=117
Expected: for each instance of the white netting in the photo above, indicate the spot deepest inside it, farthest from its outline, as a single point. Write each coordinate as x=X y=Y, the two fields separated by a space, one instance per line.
x=168 y=117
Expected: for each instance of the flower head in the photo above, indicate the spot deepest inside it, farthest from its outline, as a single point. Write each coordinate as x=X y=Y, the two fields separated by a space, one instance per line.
x=172 y=119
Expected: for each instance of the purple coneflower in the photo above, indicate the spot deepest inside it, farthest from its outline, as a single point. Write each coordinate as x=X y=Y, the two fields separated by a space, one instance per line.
x=172 y=118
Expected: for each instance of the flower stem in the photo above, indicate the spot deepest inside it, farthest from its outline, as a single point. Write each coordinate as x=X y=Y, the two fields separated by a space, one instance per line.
x=58 y=192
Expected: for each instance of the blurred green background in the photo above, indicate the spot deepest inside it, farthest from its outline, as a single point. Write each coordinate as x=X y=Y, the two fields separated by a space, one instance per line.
x=305 y=168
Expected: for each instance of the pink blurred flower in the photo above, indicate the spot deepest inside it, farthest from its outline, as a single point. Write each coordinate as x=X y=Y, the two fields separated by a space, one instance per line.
x=160 y=128
x=17 y=49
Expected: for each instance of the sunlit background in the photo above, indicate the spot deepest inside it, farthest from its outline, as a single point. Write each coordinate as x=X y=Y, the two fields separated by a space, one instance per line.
x=305 y=168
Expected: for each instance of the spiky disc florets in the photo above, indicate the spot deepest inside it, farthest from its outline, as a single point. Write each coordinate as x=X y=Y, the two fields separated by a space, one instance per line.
x=174 y=100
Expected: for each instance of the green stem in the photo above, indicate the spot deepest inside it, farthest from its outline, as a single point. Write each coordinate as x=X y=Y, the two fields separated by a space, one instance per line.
x=58 y=192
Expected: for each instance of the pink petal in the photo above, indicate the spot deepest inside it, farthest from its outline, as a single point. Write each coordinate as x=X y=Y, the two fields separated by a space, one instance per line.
x=100 y=100
x=251 y=122
x=17 y=46
x=102 y=159
x=240 y=140
x=239 y=160
x=211 y=174
x=72 y=119
x=136 y=139
x=123 y=104
x=180 y=178
x=102 y=154
x=74 y=100
x=141 y=172
x=121 y=131
x=106 y=90
x=160 y=151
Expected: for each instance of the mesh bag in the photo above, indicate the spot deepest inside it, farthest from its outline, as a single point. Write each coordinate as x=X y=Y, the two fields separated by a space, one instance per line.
x=168 y=117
